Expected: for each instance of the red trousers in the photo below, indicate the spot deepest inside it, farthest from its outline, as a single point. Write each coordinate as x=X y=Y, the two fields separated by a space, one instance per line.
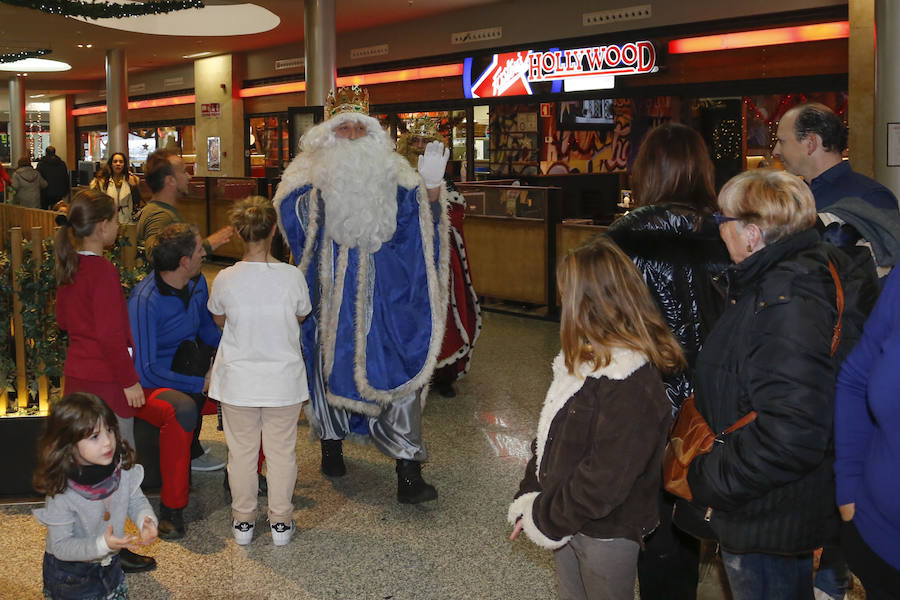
x=174 y=447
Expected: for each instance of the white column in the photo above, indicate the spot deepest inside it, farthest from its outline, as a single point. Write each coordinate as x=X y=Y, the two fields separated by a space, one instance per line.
x=17 y=120
x=319 y=40
x=116 y=101
x=887 y=92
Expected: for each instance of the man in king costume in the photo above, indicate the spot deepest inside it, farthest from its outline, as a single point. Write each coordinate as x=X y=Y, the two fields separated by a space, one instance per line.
x=463 y=309
x=371 y=236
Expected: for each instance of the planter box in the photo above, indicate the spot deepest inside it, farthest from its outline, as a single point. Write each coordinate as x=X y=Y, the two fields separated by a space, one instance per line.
x=18 y=443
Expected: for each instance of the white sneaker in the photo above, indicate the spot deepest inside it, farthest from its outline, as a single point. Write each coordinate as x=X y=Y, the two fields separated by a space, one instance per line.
x=243 y=531
x=282 y=532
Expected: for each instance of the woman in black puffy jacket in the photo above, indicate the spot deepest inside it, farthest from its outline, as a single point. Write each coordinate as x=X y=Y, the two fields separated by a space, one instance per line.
x=767 y=489
x=675 y=244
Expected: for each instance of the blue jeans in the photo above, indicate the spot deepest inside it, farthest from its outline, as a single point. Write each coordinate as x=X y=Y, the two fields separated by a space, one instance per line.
x=754 y=576
x=73 y=580
x=833 y=577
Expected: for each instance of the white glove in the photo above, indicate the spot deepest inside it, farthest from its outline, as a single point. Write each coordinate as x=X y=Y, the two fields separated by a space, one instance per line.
x=433 y=163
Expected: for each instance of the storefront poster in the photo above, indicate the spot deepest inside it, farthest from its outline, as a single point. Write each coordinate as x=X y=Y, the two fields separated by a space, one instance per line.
x=213 y=154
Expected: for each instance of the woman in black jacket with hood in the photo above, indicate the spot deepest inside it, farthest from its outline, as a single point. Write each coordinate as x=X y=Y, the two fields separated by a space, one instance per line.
x=675 y=244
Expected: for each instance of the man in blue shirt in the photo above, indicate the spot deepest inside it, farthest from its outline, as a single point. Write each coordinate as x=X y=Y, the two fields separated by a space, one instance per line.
x=810 y=141
x=168 y=316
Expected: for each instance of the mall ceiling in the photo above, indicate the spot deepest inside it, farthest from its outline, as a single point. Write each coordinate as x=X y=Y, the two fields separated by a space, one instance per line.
x=23 y=29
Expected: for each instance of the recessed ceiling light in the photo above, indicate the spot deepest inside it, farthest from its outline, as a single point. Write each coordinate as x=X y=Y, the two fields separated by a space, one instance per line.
x=35 y=65
x=197 y=55
x=211 y=20
x=37 y=96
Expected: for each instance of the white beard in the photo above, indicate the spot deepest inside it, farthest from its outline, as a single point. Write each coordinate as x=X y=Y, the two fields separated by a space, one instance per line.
x=358 y=181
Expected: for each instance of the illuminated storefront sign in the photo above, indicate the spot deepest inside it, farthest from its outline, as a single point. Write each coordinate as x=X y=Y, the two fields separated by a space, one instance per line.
x=512 y=73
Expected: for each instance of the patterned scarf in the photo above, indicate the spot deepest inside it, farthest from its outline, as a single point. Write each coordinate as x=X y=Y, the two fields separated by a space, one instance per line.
x=87 y=485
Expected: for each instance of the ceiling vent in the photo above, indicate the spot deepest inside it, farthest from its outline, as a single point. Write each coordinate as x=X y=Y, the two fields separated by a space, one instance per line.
x=615 y=15
x=173 y=81
x=289 y=63
x=476 y=35
x=137 y=88
x=369 y=51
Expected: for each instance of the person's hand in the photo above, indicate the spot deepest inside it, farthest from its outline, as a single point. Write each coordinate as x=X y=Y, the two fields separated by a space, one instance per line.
x=206 y=382
x=148 y=532
x=516 y=530
x=847 y=511
x=433 y=163
x=117 y=543
x=220 y=237
x=134 y=395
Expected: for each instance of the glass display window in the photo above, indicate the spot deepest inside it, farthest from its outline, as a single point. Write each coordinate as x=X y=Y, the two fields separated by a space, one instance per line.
x=268 y=144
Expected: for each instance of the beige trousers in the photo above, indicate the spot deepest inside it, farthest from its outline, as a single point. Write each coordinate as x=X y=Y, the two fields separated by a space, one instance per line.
x=277 y=427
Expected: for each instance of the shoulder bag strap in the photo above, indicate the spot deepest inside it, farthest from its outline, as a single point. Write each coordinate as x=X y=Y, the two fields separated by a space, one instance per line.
x=839 y=301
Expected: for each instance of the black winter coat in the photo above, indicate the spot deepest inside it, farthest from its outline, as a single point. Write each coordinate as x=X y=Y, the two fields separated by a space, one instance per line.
x=677 y=251
x=771 y=483
x=55 y=171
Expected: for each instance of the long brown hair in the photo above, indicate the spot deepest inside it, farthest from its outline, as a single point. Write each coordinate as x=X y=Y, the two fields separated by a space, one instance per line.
x=106 y=173
x=673 y=165
x=606 y=304
x=71 y=420
x=88 y=208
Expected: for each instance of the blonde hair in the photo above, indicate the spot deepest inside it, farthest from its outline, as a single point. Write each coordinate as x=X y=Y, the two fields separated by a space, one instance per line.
x=775 y=201
x=253 y=218
x=605 y=304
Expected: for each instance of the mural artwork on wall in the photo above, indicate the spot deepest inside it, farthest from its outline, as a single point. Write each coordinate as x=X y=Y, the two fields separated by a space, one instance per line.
x=587 y=136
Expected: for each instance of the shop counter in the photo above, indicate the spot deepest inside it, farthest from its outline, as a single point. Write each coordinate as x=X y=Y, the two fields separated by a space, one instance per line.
x=510 y=236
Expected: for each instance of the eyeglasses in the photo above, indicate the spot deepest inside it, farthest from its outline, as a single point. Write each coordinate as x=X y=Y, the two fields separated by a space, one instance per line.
x=721 y=219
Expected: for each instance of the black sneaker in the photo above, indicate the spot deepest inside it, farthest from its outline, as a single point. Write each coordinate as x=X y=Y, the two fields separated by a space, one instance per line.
x=135 y=563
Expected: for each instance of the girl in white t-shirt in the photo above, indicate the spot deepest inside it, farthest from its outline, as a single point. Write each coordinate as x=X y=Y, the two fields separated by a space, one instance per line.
x=259 y=376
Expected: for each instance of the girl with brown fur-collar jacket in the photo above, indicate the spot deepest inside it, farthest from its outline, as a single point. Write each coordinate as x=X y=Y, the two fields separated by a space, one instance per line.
x=590 y=489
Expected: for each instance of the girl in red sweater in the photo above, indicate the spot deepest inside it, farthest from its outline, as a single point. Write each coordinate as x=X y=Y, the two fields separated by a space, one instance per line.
x=90 y=306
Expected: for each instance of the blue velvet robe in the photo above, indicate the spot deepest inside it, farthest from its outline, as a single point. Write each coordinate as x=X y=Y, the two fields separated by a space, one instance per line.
x=391 y=304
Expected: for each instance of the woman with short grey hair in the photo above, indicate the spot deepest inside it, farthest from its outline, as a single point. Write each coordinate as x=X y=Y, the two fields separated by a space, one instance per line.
x=767 y=489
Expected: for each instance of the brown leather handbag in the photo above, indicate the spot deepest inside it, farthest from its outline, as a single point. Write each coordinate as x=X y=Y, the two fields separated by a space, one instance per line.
x=692 y=436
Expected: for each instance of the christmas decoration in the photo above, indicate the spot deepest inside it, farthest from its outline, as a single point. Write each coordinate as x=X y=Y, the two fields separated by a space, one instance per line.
x=105 y=10
x=23 y=55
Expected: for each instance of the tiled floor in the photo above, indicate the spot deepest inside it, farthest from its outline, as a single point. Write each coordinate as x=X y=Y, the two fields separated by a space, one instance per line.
x=355 y=541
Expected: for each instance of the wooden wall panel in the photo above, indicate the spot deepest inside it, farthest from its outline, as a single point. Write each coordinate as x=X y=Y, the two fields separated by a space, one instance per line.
x=508 y=258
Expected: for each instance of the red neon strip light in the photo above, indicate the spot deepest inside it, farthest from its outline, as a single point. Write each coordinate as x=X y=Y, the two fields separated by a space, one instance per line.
x=138 y=104
x=454 y=70
x=88 y=110
x=156 y=102
x=269 y=90
x=402 y=75
x=761 y=37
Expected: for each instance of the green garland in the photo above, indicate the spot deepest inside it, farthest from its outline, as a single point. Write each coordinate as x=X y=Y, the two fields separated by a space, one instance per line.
x=7 y=363
x=23 y=55
x=45 y=347
x=127 y=277
x=105 y=10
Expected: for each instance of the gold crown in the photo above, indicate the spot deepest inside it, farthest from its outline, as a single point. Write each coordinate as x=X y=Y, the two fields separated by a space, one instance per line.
x=352 y=99
x=424 y=127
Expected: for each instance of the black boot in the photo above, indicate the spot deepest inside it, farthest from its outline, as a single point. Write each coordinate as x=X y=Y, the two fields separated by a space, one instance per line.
x=333 y=458
x=411 y=488
x=171 y=523
x=135 y=563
